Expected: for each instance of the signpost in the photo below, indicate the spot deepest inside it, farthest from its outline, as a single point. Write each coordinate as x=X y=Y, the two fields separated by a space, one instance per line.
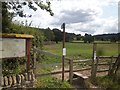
x=64 y=51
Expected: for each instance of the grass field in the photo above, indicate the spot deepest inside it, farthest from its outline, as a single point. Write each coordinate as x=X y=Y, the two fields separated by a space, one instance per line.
x=83 y=50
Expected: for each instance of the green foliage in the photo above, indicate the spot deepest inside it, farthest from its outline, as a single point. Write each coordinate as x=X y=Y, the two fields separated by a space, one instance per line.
x=79 y=37
x=58 y=35
x=48 y=33
x=38 y=35
x=51 y=82
x=12 y=66
x=107 y=82
x=6 y=18
x=69 y=37
x=17 y=7
x=113 y=37
x=88 y=38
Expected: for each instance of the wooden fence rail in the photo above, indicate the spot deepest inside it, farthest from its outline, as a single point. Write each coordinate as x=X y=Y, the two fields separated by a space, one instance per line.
x=81 y=61
x=108 y=57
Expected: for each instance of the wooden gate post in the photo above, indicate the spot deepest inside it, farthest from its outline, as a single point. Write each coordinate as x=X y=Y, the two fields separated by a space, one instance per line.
x=1 y=76
x=96 y=65
x=34 y=61
x=93 y=62
x=110 y=66
x=28 y=54
x=70 y=70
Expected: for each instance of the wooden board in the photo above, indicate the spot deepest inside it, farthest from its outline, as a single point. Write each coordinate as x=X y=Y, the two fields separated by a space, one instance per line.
x=11 y=47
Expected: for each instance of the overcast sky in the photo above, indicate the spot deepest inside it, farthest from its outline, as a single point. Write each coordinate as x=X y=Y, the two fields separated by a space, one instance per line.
x=81 y=16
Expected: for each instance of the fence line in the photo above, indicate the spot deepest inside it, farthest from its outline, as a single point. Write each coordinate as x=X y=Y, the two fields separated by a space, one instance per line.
x=70 y=62
x=95 y=64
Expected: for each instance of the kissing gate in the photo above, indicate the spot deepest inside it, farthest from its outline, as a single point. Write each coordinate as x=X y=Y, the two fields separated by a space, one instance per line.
x=16 y=46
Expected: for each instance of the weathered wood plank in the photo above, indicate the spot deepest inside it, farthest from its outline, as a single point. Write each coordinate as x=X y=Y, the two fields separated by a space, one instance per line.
x=102 y=57
x=80 y=61
x=83 y=79
x=110 y=66
x=59 y=72
x=103 y=70
x=80 y=75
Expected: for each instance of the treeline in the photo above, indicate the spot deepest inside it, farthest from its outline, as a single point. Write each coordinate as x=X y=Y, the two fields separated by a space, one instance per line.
x=108 y=37
x=56 y=35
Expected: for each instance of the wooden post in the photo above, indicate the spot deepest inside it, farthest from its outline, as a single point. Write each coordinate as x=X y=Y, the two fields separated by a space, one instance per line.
x=34 y=62
x=1 y=76
x=1 y=18
x=115 y=66
x=28 y=53
x=110 y=66
x=70 y=70
x=63 y=56
x=93 y=62
x=96 y=65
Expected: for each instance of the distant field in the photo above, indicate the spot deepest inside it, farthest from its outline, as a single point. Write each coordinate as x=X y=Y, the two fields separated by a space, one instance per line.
x=78 y=41
x=83 y=50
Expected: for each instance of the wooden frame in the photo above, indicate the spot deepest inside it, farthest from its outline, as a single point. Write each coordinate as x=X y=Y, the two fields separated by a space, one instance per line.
x=25 y=37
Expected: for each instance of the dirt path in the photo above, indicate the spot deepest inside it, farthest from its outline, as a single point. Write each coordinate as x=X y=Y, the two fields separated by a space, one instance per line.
x=84 y=73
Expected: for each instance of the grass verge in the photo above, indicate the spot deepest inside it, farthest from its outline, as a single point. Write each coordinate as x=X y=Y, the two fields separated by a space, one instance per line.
x=107 y=82
x=51 y=82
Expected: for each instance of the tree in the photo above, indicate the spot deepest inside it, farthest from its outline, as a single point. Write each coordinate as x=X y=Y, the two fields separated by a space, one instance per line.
x=6 y=18
x=78 y=37
x=11 y=9
x=69 y=37
x=88 y=38
x=49 y=35
x=17 y=9
x=58 y=35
